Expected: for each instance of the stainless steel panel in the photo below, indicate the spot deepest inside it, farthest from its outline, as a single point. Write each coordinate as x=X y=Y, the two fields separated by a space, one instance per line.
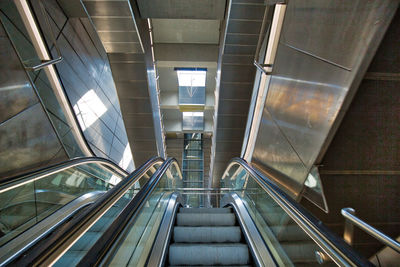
x=182 y=9
x=114 y=24
x=111 y=36
x=27 y=141
x=135 y=106
x=235 y=73
x=306 y=104
x=234 y=107
x=242 y=39
x=344 y=27
x=240 y=49
x=310 y=89
x=128 y=72
x=122 y=47
x=108 y=8
x=273 y=150
x=125 y=57
x=132 y=89
x=236 y=91
x=186 y=31
x=247 y=11
x=238 y=26
x=16 y=93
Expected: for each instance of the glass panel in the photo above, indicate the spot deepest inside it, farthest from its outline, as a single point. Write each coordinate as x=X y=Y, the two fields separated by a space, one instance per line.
x=26 y=205
x=137 y=244
x=288 y=243
x=77 y=251
x=193 y=121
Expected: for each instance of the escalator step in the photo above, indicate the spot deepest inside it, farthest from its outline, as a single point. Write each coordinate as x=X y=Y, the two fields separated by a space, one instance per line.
x=219 y=234
x=209 y=254
x=205 y=210
x=204 y=219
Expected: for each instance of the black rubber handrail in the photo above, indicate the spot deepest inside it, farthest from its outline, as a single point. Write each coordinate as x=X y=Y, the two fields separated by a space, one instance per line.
x=19 y=180
x=97 y=252
x=333 y=246
x=50 y=247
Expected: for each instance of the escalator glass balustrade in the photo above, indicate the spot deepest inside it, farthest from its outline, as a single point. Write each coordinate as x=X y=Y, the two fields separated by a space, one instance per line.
x=31 y=205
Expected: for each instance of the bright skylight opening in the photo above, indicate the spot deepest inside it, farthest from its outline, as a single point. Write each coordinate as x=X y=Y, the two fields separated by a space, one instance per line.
x=192 y=78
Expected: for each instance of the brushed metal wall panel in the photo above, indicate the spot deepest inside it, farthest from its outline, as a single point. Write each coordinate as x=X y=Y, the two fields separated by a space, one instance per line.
x=113 y=24
x=275 y=151
x=182 y=9
x=311 y=89
x=304 y=97
x=314 y=25
x=122 y=47
x=28 y=141
x=129 y=72
x=16 y=93
x=119 y=37
x=108 y=8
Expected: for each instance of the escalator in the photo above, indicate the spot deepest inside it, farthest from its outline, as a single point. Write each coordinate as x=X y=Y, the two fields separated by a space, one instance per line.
x=247 y=222
x=35 y=204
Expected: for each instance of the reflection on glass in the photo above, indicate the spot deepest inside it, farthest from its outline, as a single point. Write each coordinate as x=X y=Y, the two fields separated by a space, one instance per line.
x=26 y=205
x=134 y=249
x=288 y=243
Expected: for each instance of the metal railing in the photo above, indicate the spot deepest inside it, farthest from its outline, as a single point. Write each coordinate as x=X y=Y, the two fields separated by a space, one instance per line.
x=98 y=251
x=338 y=250
x=273 y=33
x=50 y=248
x=14 y=182
x=348 y=213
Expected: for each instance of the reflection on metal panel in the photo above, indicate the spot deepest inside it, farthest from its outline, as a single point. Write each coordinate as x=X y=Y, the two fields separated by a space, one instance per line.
x=274 y=150
x=325 y=50
x=28 y=141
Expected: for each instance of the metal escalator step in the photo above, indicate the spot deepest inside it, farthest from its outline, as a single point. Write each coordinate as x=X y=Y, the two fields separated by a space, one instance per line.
x=205 y=219
x=209 y=254
x=205 y=210
x=204 y=234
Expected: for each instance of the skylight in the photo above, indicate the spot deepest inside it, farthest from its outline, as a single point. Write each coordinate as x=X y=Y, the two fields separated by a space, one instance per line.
x=192 y=78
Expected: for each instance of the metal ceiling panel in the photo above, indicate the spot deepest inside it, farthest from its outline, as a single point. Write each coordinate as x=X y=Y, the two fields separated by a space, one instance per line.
x=108 y=8
x=114 y=24
x=182 y=9
x=186 y=31
x=236 y=84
